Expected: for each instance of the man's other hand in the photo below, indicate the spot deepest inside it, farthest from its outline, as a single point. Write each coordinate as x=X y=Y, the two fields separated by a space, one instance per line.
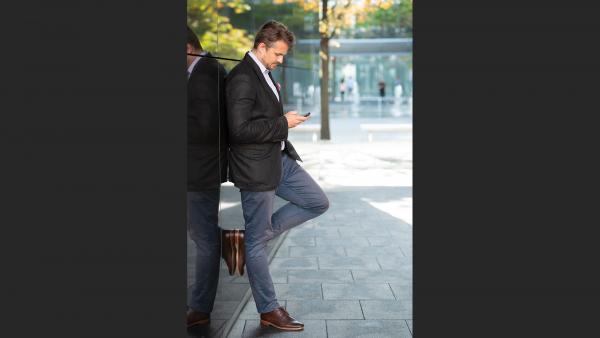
x=293 y=119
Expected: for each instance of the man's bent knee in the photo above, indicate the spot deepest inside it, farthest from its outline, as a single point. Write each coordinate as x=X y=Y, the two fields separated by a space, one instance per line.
x=322 y=206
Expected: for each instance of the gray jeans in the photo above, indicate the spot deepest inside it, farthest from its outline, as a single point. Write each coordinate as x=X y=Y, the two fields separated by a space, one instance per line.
x=306 y=201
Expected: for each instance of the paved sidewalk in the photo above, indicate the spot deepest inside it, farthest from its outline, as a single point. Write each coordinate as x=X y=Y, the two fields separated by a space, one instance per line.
x=348 y=273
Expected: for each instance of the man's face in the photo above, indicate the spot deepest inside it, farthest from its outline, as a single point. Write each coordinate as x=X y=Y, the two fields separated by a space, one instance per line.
x=273 y=56
x=190 y=58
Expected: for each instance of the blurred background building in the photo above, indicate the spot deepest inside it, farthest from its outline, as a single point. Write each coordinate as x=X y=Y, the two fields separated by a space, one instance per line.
x=370 y=42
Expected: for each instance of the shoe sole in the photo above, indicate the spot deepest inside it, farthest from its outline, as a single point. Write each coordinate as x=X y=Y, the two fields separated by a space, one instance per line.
x=265 y=323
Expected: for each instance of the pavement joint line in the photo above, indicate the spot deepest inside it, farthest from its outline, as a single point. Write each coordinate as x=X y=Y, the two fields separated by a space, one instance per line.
x=408 y=326
x=244 y=329
x=393 y=293
x=238 y=310
x=361 y=309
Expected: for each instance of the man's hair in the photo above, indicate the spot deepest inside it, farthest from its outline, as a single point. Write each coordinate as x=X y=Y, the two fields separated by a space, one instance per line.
x=272 y=31
x=192 y=39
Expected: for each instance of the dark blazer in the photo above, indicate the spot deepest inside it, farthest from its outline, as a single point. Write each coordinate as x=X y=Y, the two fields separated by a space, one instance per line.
x=207 y=126
x=256 y=128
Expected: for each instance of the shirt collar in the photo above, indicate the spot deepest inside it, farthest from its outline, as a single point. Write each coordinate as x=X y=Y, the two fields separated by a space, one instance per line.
x=193 y=64
x=262 y=67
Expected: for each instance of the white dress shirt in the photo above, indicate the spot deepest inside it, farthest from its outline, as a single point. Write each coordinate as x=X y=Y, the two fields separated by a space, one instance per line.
x=265 y=73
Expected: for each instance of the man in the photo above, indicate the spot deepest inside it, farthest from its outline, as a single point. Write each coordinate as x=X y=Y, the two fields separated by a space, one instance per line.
x=263 y=164
x=207 y=169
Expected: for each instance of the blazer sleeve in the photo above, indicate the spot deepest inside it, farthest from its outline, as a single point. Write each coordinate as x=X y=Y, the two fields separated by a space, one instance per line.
x=241 y=97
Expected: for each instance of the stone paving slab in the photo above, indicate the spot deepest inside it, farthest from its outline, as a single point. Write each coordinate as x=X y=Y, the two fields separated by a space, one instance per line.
x=313 y=251
x=325 y=309
x=385 y=276
x=295 y=263
x=237 y=330
x=349 y=241
x=326 y=217
x=386 y=309
x=391 y=240
x=214 y=329
x=374 y=251
x=400 y=233
x=402 y=291
x=298 y=241
x=231 y=292
x=381 y=240
x=349 y=263
x=312 y=329
x=336 y=223
x=298 y=291
x=356 y=291
x=395 y=262
x=367 y=329
x=224 y=309
x=410 y=325
x=362 y=232
x=395 y=223
x=283 y=253
x=328 y=232
x=320 y=276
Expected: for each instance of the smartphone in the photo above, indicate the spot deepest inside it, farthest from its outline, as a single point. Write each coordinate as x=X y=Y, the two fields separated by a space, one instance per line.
x=307 y=115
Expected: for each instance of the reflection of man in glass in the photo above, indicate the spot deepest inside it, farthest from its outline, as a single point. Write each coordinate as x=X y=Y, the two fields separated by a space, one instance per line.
x=263 y=164
x=207 y=169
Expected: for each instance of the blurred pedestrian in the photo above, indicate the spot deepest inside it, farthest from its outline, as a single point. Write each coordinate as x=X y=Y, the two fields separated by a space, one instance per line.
x=350 y=86
x=342 y=89
x=381 y=86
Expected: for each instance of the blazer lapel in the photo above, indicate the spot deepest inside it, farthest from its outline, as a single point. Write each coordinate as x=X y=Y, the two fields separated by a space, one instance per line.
x=261 y=78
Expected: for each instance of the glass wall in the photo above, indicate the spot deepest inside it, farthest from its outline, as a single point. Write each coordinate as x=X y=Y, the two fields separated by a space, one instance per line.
x=370 y=77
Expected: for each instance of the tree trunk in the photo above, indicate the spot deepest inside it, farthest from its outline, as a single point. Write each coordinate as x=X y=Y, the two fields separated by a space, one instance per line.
x=324 y=56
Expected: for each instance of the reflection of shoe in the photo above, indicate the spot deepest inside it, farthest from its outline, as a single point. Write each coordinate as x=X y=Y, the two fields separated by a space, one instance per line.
x=197 y=318
x=280 y=319
x=228 y=249
x=240 y=255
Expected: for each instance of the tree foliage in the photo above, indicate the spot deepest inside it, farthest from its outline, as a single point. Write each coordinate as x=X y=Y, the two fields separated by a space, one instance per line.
x=392 y=19
x=214 y=29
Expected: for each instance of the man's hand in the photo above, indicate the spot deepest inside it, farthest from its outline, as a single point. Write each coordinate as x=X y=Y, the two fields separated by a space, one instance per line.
x=293 y=119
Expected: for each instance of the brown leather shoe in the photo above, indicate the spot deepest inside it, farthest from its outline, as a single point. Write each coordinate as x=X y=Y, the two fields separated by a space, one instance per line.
x=228 y=249
x=280 y=319
x=197 y=318
x=240 y=254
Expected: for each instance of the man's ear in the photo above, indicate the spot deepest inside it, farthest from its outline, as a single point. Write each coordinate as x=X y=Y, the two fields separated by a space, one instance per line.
x=190 y=49
x=262 y=46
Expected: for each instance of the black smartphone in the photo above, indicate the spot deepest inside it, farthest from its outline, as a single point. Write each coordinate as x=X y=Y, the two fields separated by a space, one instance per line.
x=307 y=115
